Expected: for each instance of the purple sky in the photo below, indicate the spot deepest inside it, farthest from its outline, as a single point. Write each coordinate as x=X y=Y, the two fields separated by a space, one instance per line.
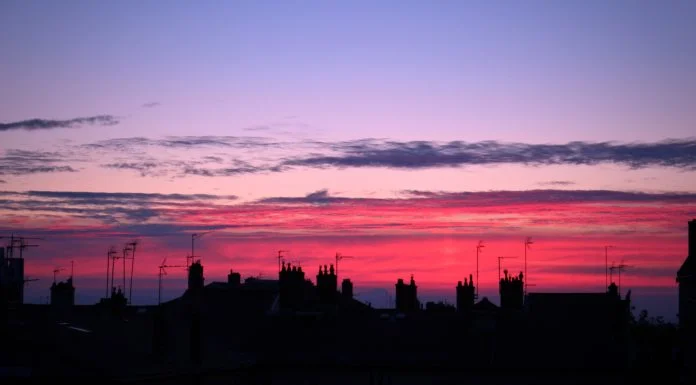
x=262 y=99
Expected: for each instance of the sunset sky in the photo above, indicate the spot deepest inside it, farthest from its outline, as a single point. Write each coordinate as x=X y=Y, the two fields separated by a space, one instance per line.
x=397 y=132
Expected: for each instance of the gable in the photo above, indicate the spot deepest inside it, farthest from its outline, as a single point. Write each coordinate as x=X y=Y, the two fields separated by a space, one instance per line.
x=686 y=269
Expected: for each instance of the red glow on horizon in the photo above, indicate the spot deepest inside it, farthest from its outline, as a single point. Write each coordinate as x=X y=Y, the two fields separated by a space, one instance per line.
x=434 y=239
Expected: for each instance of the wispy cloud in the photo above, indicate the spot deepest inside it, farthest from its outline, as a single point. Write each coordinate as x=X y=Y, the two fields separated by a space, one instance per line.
x=145 y=168
x=46 y=124
x=151 y=105
x=180 y=168
x=426 y=154
x=23 y=162
x=420 y=213
x=107 y=207
x=317 y=197
x=242 y=155
x=233 y=142
x=238 y=168
x=257 y=128
x=79 y=195
x=551 y=196
x=419 y=155
x=556 y=183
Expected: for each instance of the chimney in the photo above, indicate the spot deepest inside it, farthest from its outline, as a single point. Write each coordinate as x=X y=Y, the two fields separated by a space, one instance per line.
x=195 y=276
x=347 y=288
x=692 y=238
x=234 y=279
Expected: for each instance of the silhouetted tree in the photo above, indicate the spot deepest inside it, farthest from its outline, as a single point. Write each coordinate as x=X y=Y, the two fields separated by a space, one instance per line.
x=656 y=345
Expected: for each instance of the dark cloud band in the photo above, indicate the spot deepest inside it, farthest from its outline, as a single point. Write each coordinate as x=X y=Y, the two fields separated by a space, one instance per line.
x=330 y=215
x=425 y=154
x=478 y=198
x=420 y=155
x=47 y=124
x=257 y=155
x=23 y=162
x=124 y=196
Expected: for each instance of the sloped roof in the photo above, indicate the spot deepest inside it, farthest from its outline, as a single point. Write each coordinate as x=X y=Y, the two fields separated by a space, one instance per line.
x=575 y=306
x=352 y=304
x=485 y=305
x=687 y=268
x=567 y=299
x=219 y=297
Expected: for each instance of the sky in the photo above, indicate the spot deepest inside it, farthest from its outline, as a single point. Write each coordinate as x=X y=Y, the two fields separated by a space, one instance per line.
x=398 y=133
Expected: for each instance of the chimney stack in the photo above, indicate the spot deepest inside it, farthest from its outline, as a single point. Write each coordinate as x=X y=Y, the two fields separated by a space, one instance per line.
x=195 y=276
x=234 y=279
x=347 y=288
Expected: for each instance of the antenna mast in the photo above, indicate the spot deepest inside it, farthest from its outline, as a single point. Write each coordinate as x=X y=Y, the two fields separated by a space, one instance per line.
x=619 y=267
x=527 y=245
x=194 y=236
x=339 y=257
x=606 y=266
x=478 y=250
x=126 y=249
x=280 y=257
x=17 y=243
x=55 y=272
x=111 y=257
x=133 y=244
x=163 y=272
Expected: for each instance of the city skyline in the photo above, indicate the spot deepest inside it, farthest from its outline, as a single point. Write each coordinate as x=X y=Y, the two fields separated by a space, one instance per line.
x=398 y=133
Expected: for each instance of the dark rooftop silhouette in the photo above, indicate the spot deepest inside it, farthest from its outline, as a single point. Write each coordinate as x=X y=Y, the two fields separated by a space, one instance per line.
x=250 y=328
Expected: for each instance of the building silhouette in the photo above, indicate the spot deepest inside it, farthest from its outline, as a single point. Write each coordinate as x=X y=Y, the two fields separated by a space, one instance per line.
x=63 y=294
x=327 y=285
x=195 y=276
x=292 y=287
x=234 y=279
x=292 y=322
x=11 y=277
x=466 y=295
x=594 y=325
x=511 y=292
x=687 y=300
x=347 y=289
x=439 y=307
x=687 y=283
x=407 y=296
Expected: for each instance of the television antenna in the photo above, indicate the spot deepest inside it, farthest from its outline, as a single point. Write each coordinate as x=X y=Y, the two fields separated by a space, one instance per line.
x=114 y=258
x=339 y=257
x=280 y=258
x=17 y=243
x=606 y=266
x=126 y=249
x=163 y=272
x=479 y=250
x=195 y=236
x=55 y=272
x=132 y=245
x=620 y=267
x=527 y=245
x=110 y=255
